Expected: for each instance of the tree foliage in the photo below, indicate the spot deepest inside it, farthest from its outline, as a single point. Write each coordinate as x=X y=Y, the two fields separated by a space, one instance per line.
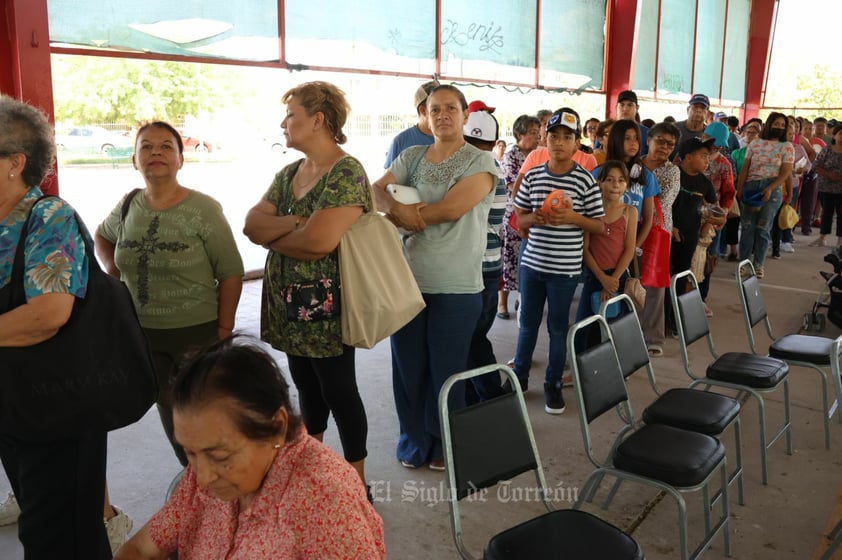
x=89 y=89
x=820 y=87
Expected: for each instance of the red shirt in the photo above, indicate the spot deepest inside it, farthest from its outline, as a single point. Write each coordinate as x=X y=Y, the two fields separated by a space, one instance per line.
x=312 y=505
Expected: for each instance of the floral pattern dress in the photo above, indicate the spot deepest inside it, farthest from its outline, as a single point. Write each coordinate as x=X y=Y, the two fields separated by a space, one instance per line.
x=55 y=260
x=346 y=184
x=512 y=162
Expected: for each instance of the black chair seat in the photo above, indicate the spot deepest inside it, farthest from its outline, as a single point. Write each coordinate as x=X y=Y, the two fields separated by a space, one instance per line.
x=690 y=409
x=563 y=533
x=674 y=456
x=802 y=348
x=758 y=372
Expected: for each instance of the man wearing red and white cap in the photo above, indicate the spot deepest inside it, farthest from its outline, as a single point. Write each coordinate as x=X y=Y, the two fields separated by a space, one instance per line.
x=474 y=106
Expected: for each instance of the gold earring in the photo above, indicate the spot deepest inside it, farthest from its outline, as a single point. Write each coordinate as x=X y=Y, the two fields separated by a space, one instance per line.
x=11 y=175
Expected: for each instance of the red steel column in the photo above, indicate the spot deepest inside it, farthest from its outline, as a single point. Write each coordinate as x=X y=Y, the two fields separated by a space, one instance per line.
x=25 y=71
x=761 y=27
x=620 y=37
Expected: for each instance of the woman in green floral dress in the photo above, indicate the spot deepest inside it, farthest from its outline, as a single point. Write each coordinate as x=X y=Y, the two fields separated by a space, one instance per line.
x=301 y=218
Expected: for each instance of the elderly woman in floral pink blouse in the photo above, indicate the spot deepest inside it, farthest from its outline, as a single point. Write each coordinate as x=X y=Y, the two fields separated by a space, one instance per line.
x=257 y=486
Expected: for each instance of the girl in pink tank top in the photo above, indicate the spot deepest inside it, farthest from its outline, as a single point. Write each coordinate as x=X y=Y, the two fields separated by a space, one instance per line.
x=607 y=254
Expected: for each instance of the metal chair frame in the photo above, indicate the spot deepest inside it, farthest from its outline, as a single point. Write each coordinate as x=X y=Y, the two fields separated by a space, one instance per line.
x=606 y=467
x=751 y=321
x=453 y=489
x=756 y=392
x=836 y=372
x=625 y=301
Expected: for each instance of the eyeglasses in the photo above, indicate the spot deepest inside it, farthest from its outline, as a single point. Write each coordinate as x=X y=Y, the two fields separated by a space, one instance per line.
x=661 y=141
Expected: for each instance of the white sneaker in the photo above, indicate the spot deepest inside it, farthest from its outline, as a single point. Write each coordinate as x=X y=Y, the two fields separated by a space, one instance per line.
x=118 y=529
x=9 y=510
x=787 y=248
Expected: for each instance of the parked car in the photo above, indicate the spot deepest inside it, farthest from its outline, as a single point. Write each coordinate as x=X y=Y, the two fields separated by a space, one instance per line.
x=197 y=144
x=277 y=143
x=91 y=139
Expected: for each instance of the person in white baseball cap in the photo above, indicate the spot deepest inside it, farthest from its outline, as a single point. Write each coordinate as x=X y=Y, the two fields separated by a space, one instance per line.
x=482 y=130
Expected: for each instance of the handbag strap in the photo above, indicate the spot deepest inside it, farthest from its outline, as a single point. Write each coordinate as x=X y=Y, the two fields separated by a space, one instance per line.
x=18 y=296
x=659 y=213
x=633 y=263
x=124 y=208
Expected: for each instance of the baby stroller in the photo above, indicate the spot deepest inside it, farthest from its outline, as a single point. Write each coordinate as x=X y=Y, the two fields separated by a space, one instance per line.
x=830 y=296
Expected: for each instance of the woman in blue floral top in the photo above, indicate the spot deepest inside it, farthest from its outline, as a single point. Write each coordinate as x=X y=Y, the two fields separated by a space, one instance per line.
x=61 y=504
x=301 y=219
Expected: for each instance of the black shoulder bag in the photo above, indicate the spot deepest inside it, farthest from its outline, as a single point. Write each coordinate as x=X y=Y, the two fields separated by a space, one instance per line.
x=95 y=374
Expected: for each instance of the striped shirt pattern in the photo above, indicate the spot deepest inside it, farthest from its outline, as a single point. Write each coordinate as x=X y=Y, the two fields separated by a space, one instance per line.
x=557 y=249
x=492 y=259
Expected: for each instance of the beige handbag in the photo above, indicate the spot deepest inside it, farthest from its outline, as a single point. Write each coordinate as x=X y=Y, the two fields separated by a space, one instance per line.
x=634 y=289
x=379 y=292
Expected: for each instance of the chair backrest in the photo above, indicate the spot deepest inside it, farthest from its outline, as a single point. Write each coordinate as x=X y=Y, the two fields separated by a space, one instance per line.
x=489 y=441
x=599 y=382
x=600 y=385
x=689 y=309
x=753 y=306
x=486 y=443
x=627 y=334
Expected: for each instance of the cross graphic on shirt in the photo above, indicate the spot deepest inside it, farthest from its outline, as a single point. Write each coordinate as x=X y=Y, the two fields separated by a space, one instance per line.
x=149 y=245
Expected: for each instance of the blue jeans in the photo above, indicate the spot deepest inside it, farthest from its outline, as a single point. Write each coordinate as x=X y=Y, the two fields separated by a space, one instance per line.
x=590 y=285
x=481 y=352
x=756 y=227
x=425 y=352
x=557 y=291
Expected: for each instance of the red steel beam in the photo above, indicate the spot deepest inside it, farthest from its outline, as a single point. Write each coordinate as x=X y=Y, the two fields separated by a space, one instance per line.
x=25 y=71
x=760 y=30
x=621 y=31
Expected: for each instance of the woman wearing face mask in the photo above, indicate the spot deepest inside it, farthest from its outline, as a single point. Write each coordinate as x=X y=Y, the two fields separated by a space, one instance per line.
x=782 y=238
x=767 y=165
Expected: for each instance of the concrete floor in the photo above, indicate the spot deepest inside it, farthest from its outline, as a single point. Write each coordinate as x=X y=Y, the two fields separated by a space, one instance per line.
x=784 y=520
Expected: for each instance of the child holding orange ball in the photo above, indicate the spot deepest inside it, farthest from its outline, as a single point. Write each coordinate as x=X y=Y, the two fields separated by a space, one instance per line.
x=551 y=258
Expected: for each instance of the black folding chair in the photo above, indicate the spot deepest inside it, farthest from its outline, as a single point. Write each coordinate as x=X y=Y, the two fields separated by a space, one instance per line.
x=689 y=409
x=739 y=371
x=672 y=460
x=813 y=352
x=493 y=441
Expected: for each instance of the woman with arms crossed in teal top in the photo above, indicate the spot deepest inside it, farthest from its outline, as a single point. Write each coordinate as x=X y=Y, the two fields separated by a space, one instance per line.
x=455 y=181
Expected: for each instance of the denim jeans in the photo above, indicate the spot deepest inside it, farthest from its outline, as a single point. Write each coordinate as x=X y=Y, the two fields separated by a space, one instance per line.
x=756 y=227
x=590 y=285
x=425 y=352
x=481 y=352
x=557 y=291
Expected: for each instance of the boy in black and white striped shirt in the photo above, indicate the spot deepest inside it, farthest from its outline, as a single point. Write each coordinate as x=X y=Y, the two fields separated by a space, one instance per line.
x=551 y=260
